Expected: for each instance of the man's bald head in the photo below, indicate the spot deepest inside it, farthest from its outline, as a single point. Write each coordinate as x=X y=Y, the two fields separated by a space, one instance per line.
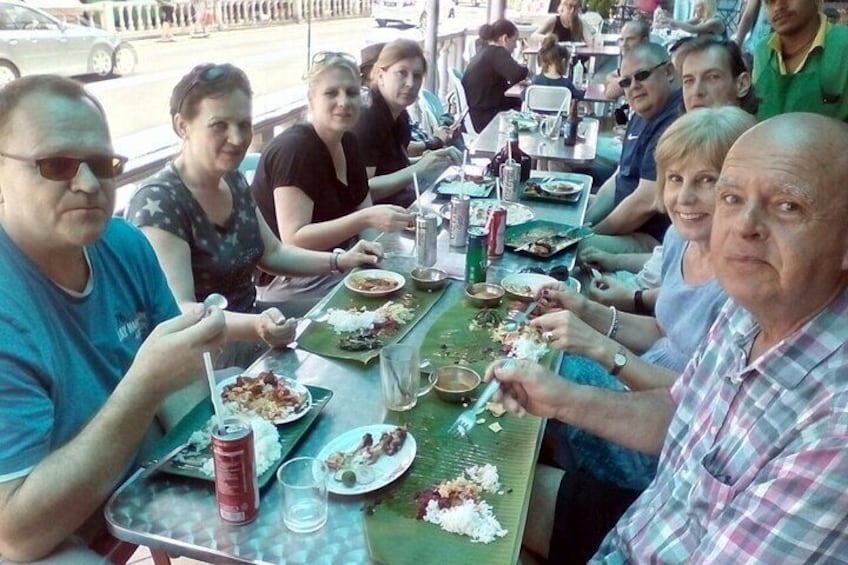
x=633 y=33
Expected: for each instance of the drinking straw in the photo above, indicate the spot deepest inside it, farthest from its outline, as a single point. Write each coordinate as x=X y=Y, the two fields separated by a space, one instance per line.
x=217 y=403
x=498 y=189
x=561 y=108
x=509 y=151
x=417 y=191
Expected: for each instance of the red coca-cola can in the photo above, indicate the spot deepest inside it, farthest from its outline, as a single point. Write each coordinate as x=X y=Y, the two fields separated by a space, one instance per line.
x=236 y=484
x=496 y=225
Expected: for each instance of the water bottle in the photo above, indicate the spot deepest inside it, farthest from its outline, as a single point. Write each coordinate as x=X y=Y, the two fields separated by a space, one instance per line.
x=577 y=74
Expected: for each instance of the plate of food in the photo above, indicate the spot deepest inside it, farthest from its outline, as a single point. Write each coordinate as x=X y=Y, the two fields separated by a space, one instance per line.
x=374 y=282
x=556 y=188
x=525 y=122
x=271 y=397
x=542 y=239
x=368 y=458
x=561 y=187
x=525 y=286
x=478 y=215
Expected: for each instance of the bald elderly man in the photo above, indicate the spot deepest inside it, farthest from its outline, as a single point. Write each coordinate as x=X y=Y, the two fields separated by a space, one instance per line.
x=91 y=339
x=633 y=33
x=752 y=437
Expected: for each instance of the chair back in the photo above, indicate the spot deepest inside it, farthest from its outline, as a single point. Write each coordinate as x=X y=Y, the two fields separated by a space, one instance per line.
x=432 y=101
x=455 y=76
x=424 y=111
x=538 y=98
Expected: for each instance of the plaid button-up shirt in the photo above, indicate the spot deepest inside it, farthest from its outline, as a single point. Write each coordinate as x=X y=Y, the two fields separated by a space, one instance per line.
x=755 y=464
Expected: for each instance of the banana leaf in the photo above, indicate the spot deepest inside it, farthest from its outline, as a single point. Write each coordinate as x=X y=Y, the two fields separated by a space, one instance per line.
x=450 y=341
x=391 y=513
x=319 y=337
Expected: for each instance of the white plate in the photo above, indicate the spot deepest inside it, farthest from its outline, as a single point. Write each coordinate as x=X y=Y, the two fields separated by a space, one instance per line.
x=386 y=469
x=561 y=187
x=534 y=281
x=297 y=414
x=478 y=215
x=398 y=279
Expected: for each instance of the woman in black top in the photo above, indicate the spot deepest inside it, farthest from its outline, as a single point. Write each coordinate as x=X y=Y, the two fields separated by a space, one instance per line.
x=383 y=128
x=491 y=72
x=311 y=185
x=567 y=24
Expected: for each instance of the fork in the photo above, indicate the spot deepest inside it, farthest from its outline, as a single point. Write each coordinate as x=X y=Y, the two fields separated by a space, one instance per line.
x=468 y=418
x=516 y=320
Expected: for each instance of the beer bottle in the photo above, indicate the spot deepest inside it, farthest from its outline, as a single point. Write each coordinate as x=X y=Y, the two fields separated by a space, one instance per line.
x=572 y=123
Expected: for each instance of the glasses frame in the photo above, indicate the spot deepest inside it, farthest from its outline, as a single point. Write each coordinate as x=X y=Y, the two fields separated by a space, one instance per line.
x=118 y=162
x=324 y=56
x=639 y=76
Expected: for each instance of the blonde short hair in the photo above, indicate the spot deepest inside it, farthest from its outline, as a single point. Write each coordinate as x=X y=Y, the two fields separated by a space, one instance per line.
x=705 y=134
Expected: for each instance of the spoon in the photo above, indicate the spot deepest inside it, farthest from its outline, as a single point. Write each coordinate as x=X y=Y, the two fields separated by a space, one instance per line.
x=220 y=301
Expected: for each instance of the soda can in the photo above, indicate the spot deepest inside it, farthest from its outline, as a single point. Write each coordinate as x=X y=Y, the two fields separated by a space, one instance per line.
x=236 y=484
x=426 y=234
x=510 y=175
x=476 y=256
x=496 y=225
x=460 y=209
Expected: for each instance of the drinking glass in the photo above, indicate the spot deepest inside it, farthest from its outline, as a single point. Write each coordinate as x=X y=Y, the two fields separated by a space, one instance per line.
x=304 y=483
x=400 y=375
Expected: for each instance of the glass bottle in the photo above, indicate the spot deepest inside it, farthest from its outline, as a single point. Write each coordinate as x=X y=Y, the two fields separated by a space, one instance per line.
x=571 y=124
x=520 y=157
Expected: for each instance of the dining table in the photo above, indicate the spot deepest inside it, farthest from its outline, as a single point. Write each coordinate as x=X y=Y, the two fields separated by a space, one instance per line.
x=594 y=91
x=179 y=514
x=538 y=146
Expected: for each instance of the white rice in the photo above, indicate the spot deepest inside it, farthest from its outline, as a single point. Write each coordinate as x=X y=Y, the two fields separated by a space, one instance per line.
x=266 y=443
x=347 y=321
x=484 y=475
x=473 y=519
x=525 y=347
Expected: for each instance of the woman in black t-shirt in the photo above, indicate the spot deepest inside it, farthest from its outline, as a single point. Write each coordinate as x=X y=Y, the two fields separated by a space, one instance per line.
x=491 y=72
x=567 y=24
x=311 y=185
x=383 y=129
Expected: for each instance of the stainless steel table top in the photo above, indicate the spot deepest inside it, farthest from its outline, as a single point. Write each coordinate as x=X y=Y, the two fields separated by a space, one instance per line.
x=180 y=515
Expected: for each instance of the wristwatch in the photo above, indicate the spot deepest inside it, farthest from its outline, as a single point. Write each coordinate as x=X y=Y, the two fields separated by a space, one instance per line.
x=619 y=360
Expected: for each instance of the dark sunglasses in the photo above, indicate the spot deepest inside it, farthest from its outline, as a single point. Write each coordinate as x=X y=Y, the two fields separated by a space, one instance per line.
x=640 y=76
x=66 y=168
x=209 y=75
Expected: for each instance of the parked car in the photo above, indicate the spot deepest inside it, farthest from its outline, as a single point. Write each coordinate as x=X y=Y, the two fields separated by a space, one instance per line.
x=409 y=12
x=32 y=42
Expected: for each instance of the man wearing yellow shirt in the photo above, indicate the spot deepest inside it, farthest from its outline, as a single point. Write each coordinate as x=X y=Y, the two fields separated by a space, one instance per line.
x=801 y=67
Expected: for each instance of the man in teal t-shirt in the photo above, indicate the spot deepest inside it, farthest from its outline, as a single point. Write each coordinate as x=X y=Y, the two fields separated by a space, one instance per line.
x=802 y=66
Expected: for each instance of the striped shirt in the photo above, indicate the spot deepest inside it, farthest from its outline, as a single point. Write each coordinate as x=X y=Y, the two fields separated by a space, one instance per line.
x=755 y=463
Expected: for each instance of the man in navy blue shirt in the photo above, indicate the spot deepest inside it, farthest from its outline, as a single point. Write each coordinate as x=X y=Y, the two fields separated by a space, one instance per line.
x=624 y=212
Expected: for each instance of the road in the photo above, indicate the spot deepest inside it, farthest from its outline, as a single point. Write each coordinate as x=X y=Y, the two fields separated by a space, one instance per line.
x=274 y=58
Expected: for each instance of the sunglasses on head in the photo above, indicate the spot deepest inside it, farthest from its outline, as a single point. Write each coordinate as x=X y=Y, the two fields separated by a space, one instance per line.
x=65 y=168
x=639 y=76
x=211 y=74
x=324 y=56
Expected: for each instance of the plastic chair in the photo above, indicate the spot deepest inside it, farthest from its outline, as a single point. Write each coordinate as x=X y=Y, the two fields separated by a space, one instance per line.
x=428 y=111
x=248 y=166
x=455 y=76
x=432 y=100
x=538 y=98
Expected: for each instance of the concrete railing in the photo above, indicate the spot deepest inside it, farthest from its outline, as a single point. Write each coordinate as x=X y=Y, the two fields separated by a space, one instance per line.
x=144 y=16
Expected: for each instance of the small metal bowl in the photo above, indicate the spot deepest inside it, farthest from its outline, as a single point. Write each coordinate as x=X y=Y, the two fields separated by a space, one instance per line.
x=484 y=295
x=428 y=278
x=455 y=383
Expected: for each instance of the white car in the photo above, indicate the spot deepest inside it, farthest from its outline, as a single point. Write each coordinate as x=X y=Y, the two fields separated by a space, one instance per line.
x=409 y=12
x=34 y=42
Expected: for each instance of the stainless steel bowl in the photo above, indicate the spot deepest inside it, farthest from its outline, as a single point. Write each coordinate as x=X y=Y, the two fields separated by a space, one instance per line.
x=455 y=383
x=428 y=278
x=484 y=295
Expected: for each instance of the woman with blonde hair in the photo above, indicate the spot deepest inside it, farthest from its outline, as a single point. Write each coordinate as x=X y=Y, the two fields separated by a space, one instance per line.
x=311 y=185
x=202 y=221
x=383 y=129
x=567 y=25
x=704 y=20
